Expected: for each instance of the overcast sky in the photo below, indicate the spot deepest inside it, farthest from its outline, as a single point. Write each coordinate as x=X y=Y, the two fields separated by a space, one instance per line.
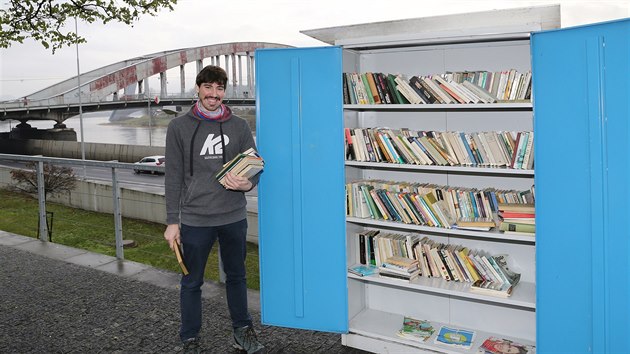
x=28 y=67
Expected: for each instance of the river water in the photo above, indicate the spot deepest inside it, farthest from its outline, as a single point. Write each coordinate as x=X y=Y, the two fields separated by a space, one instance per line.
x=98 y=129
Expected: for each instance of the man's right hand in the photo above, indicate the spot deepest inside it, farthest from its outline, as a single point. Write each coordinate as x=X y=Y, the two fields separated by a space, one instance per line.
x=171 y=234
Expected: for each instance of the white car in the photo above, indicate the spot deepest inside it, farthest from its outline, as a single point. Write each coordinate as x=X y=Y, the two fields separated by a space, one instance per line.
x=149 y=161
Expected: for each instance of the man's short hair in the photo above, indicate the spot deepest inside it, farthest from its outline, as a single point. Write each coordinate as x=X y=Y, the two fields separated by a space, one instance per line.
x=212 y=74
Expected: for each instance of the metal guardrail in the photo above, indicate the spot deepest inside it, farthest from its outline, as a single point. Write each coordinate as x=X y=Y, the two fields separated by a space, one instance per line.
x=114 y=165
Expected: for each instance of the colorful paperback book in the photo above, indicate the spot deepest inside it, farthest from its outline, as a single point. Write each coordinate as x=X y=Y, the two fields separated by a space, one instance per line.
x=415 y=329
x=363 y=270
x=460 y=338
x=495 y=345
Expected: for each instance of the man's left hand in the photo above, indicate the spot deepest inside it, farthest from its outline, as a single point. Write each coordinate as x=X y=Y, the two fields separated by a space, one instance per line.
x=237 y=183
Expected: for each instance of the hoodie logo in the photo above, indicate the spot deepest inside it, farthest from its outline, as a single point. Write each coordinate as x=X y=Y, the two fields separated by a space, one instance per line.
x=212 y=146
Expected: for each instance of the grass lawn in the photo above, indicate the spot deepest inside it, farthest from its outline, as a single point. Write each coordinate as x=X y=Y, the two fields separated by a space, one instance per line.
x=95 y=232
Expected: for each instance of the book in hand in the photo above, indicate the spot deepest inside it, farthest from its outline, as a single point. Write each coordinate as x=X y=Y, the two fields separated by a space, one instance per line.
x=363 y=270
x=414 y=329
x=178 y=254
x=494 y=345
x=246 y=164
x=455 y=337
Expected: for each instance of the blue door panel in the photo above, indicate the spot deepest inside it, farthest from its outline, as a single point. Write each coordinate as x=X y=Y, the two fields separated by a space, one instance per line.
x=301 y=191
x=582 y=154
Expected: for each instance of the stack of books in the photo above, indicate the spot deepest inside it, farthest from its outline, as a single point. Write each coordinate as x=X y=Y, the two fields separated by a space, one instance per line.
x=517 y=218
x=246 y=164
x=398 y=267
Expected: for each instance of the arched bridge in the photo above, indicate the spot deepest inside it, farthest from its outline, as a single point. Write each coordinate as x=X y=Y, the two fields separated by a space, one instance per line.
x=125 y=84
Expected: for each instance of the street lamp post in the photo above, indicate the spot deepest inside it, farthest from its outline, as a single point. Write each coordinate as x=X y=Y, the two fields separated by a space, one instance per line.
x=76 y=31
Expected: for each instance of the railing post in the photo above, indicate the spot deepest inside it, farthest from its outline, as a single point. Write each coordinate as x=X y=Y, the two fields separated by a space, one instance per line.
x=117 y=215
x=41 y=198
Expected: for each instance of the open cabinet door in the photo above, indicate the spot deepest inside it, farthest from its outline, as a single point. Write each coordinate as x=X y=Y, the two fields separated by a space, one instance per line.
x=301 y=198
x=581 y=80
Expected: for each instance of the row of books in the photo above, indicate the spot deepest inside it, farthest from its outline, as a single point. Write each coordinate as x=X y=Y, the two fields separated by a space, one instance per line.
x=422 y=330
x=517 y=218
x=427 y=204
x=407 y=256
x=404 y=146
x=465 y=87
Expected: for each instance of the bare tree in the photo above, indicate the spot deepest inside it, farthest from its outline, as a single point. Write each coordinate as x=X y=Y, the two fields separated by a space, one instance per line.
x=44 y=20
x=57 y=179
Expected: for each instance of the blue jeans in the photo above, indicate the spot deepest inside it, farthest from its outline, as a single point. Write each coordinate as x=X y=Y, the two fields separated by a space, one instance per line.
x=197 y=243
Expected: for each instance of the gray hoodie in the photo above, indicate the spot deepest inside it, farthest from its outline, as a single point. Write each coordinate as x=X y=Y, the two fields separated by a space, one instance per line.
x=193 y=195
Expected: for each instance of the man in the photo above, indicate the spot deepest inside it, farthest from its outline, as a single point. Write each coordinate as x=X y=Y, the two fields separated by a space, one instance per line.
x=200 y=210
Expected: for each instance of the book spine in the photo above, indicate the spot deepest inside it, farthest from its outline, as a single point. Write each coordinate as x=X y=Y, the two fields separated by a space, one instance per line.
x=366 y=88
x=376 y=97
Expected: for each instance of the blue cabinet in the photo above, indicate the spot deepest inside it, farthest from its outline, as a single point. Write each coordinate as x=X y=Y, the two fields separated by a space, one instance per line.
x=301 y=191
x=582 y=154
x=582 y=151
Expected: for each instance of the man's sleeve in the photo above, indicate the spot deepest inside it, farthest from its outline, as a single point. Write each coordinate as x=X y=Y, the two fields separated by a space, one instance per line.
x=174 y=176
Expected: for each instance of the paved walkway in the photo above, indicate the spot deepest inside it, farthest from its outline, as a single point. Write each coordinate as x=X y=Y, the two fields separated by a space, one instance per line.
x=57 y=299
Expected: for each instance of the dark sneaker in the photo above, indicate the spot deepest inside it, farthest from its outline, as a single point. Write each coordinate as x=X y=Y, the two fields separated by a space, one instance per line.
x=191 y=346
x=245 y=339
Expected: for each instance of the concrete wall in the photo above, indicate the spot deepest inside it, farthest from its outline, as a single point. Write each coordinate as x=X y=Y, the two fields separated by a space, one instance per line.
x=72 y=150
x=134 y=204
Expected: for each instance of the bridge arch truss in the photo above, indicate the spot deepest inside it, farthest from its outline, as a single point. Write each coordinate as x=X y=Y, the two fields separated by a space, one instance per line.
x=128 y=79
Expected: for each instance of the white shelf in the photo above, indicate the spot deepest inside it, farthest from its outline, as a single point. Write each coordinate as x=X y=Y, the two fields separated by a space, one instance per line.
x=517 y=106
x=524 y=294
x=383 y=326
x=495 y=234
x=452 y=169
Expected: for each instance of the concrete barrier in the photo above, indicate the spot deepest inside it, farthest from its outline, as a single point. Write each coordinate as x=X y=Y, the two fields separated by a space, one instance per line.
x=72 y=149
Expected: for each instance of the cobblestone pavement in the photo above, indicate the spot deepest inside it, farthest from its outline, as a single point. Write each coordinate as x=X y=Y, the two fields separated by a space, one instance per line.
x=52 y=306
